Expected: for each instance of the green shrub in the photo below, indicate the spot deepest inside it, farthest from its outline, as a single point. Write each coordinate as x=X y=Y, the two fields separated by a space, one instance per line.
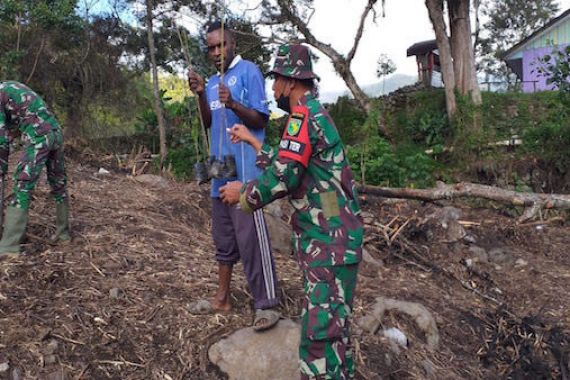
x=549 y=142
x=349 y=119
x=182 y=160
x=381 y=165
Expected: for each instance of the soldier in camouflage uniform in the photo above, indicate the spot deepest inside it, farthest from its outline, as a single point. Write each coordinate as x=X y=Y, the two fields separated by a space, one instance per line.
x=311 y=167
x=22 y=111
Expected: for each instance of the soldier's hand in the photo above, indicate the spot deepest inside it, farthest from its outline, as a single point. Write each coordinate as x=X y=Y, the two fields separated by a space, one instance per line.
x=196 y=82
x=225 y=96
x=230 y=192
x=240 y=132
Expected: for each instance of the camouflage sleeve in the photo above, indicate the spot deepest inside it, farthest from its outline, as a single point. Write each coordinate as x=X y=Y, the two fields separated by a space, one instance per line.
x=289 y=163
x=4 y=142
x=283 y=176
x=265 y=156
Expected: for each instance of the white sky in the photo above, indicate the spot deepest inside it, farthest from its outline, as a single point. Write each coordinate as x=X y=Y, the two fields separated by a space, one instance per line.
x=406 y=23
x=335 y=22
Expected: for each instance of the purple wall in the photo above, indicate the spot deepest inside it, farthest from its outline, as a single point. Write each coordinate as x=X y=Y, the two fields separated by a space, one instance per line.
x=529 y=65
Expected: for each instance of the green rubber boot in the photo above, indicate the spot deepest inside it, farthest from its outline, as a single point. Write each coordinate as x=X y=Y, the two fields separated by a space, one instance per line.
x=61 y=224
x=14 y=230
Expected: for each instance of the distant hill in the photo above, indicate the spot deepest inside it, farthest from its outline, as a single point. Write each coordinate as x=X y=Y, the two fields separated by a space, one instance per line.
x=392 y=83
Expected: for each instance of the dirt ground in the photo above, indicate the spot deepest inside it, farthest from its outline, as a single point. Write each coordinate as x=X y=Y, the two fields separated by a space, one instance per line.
x=114 y=303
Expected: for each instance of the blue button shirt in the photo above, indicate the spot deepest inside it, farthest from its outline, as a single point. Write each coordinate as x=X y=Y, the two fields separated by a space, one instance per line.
x=246 y=84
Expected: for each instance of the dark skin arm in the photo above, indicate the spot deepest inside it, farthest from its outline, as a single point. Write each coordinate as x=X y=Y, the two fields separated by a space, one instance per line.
x=251 y=117
x=197 y=85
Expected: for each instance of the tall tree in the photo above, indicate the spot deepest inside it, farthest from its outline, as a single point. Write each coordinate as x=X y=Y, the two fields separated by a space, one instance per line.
x=70 y=57
x=508 y=22
x=455 y=50
x=436 y=15
x=161 y=12
x=293 y=17
x=462 y=49
x=156 y=91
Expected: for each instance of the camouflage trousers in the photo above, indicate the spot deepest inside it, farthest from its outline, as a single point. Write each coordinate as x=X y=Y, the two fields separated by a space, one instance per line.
x=39 y=151
x=325 y=351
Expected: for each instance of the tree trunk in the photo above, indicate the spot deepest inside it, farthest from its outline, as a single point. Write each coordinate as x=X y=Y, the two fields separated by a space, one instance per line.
x=533 y=202
x=435 y=10
x=342 y=67
x=462 y=49
x=340 y=62
x=73 y=122
x=156 y=90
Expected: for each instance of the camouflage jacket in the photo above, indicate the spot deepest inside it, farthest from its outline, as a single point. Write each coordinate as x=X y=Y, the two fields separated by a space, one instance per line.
x=311 y=167
x=21 y=110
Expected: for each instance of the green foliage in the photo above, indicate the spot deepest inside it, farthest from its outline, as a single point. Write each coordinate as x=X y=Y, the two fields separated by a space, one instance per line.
x=422 y=121
x=181 y=159
x=550 y=143
x=9 y=64
x=349 y=119
x=556 y=68
x=419 y=123
x=505 y=115
x=376 y=162
x=184 y=141
x=274 y=130
x=468 y=134
x=550 y=140
x=508 y=22
x=380 y=164
x=431 y=129
x=26 y=25
x=176 y=88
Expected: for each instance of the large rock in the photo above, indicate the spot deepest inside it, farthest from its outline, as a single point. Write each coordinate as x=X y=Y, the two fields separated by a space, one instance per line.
x=250 y=355
x=421 y=315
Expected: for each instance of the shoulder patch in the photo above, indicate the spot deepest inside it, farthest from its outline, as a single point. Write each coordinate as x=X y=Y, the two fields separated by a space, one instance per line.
x=295 y=144
x=294 y=124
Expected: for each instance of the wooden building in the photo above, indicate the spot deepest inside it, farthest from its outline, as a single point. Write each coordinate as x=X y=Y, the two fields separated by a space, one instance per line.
x=523 y=57
x=427 y=59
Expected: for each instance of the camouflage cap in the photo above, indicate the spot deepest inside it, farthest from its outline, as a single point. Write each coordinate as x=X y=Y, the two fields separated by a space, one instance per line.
x=294 y=61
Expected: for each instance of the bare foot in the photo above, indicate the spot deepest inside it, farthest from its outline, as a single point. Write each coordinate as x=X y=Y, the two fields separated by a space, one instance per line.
x=209 y=307
x=223 y=305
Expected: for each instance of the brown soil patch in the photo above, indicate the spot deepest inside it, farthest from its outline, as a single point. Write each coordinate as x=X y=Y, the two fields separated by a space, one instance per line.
x=59 y=309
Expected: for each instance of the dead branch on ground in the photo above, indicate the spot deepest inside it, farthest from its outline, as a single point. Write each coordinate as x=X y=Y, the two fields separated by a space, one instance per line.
x=532 y=202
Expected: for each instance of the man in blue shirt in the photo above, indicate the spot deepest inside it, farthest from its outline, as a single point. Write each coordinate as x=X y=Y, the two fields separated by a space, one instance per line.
x=236 y=95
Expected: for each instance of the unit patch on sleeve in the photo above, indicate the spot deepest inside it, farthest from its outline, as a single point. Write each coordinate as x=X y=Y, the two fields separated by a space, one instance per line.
x=295 y=122
x=295 y=143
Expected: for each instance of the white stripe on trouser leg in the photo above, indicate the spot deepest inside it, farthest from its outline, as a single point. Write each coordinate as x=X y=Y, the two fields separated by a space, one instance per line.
x=264 y=268
x=268 y=255
x=265 y=253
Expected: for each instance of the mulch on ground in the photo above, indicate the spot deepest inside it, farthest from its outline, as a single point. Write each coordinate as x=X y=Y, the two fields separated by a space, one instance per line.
x=114 y=303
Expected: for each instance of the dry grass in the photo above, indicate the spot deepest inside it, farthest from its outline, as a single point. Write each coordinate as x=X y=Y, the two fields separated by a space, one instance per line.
x=60 y=309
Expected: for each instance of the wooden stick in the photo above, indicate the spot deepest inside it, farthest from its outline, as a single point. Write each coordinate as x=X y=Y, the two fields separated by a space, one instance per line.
x=186 y=52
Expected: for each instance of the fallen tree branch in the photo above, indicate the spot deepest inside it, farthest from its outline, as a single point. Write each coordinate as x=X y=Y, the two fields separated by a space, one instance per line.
x=533 y=202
